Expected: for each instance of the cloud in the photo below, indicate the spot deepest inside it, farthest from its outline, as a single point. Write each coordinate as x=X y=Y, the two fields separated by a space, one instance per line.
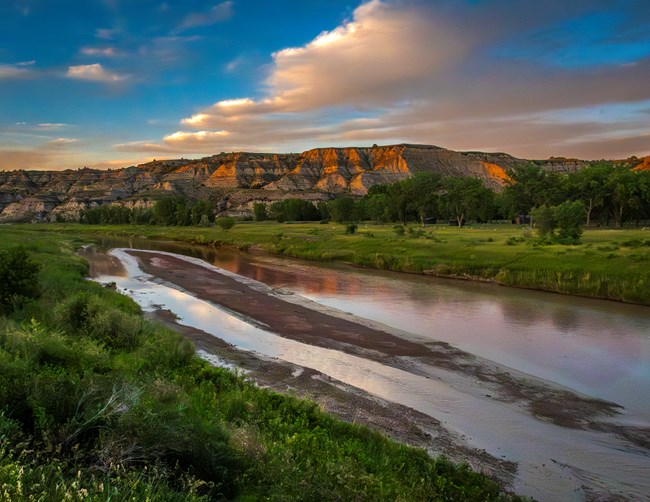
x=218 y=13
x=53 y=154
x=19 y=70
x=105 y=33
x=99 y=51
x=47 y=126
x=94 y=73
x=469 y=77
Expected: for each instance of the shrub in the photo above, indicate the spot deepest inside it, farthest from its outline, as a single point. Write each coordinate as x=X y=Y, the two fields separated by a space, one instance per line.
x=351 y=228
x=226 y=222
x=88 y=315
x=18 y=279
x=399 y=230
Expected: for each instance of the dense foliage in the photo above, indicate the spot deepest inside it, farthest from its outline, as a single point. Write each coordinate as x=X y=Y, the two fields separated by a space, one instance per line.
x=175 y=210
x=98 y=404
x=18 y=279
x=601 y=193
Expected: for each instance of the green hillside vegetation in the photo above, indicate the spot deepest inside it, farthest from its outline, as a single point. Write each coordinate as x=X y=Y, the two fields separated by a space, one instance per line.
x=98 y=404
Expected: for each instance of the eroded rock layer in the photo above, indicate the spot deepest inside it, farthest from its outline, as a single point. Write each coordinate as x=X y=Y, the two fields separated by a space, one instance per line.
x=234 y=181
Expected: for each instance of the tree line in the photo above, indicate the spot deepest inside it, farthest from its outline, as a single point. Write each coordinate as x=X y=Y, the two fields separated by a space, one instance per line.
x=601 y=193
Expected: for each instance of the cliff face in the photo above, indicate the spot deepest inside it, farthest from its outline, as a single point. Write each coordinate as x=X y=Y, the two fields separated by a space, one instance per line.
x=644 y=165
x=238 y=179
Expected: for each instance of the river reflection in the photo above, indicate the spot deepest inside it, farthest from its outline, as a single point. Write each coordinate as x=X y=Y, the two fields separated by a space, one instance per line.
x=596 y=347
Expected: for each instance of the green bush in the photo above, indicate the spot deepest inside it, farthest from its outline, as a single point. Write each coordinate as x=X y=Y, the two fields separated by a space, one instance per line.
x=18 y=279
x=225 y=222
x=351 y=228
x=87 y=315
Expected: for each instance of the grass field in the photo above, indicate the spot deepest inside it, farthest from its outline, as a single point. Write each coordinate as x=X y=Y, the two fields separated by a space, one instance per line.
x=610 y=264
x=98 y=404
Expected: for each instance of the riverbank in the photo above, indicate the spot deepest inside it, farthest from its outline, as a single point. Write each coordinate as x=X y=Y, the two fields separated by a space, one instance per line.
x=489 y=407
x=104 y=405
x=608 y=264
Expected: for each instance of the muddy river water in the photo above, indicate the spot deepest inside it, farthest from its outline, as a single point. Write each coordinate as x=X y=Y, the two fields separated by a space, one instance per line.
x=568 y=347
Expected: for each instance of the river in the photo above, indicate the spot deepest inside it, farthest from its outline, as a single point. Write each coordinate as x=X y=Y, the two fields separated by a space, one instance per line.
x=595 y=348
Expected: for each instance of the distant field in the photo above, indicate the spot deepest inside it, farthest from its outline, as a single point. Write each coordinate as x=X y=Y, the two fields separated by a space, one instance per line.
x=609 y=263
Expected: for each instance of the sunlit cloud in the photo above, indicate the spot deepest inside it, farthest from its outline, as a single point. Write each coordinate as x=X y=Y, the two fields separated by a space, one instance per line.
x=181 y=136
x=52 y=154
x=402 y=71
x=94 y=73
x=20 y=70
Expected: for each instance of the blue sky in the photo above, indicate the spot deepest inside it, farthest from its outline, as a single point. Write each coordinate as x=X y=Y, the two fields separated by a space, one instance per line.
x=110 y=83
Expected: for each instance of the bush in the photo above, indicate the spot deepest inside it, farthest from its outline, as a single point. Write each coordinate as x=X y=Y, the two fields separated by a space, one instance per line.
x=351 y=228
x=399 y=230
x=88 y=315
x=226 y=222
x=18 y=279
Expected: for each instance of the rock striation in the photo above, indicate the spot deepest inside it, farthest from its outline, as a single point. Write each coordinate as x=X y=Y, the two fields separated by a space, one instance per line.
x=234 y=181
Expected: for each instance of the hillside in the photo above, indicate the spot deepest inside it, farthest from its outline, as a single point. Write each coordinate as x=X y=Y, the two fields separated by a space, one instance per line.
x=234 y=181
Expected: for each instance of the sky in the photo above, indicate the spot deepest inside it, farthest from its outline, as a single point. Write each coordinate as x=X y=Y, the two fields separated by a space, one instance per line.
x=111 y=83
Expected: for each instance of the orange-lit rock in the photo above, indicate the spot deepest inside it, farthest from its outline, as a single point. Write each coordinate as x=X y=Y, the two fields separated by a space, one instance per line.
x=234 y=180
x=643 y=166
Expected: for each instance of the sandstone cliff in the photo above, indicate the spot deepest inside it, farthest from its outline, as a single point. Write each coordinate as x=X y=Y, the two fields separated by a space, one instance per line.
x=237 y=180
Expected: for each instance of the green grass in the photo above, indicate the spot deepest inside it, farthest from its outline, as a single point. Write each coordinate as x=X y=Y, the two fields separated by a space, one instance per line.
x=97 y=404
x=610 y=264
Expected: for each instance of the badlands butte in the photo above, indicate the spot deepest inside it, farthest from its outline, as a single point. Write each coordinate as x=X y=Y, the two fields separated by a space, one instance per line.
x=234 y=181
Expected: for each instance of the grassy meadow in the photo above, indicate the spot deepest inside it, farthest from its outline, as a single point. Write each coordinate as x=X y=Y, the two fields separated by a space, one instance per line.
x=98 y=404
x=609 y=263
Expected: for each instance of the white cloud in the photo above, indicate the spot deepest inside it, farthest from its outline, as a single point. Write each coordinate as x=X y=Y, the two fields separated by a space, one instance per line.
x=94 y=73
x=51 y=126
x=218 y=13
x=99 y=51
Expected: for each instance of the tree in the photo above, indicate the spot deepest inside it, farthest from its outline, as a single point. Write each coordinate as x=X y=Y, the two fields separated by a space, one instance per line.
x=589 y=185
x=623 y=193
x=341 y=209
x=569 y=217
x=377 y=208
x=423 y=194
x=18 y=279
x=164 y=210
x=544 y=220
x=259 y=211
x=201 y=211
x=464 y=197
x=530 y=186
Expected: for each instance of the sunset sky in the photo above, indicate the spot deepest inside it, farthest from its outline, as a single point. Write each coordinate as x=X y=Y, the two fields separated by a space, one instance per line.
x=109 y=83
